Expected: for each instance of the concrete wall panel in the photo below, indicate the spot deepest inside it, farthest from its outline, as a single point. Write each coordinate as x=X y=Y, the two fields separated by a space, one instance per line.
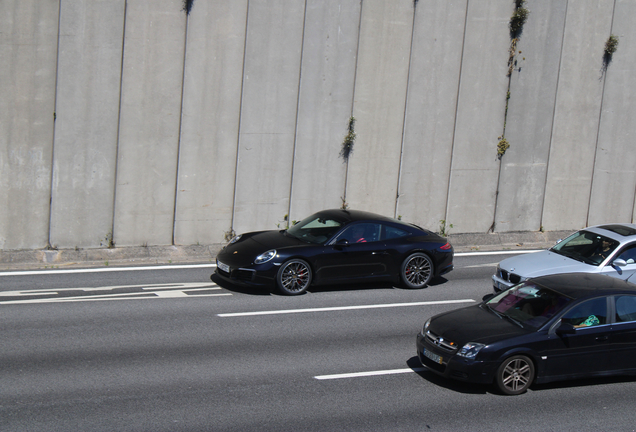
x=211 y=112
x=325 y=104
x=438 y=37
x=529 y=120
x=85 y=148
x=149 y=126
x=480 y=116
x=268 y=113
x=380 y=96
x=614 y=179
x=577 y=111
x=28 y=48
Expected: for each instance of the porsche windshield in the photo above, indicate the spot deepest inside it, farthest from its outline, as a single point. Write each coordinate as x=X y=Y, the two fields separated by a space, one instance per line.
x=586 y=247
x=315 y=229
x=527 y=304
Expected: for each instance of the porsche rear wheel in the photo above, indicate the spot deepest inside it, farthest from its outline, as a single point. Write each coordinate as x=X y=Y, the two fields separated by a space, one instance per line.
x=294 y=277
x=417 y=270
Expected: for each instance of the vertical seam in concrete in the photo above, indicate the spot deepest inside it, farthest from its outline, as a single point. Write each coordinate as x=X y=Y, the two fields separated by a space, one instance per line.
x=459 y=84
x=300 y=74
x=598 y=131
x=353 y=99
x=57 y=66
x=121 y=85
x=176 y=180
x=556 y=93
x=406 y=100
x=238 y=132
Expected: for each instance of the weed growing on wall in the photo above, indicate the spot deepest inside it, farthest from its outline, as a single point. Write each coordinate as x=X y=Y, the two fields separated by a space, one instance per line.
x=518 y=19
x=187 y=6
x=611 y=45
x=347 y=144
x=444 y=228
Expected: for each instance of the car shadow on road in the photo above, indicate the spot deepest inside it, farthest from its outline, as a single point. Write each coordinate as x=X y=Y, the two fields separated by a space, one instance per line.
x=364 y=286
x=585 y=382
x=352 y=286
x=450 y=384
x=257 y=290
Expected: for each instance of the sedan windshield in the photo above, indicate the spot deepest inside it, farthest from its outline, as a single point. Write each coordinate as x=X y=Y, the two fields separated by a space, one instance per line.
x=586 y=247
x=315 y=229
x=527 y=304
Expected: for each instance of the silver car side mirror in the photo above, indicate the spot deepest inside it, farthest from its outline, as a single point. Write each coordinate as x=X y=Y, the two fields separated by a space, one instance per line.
x=619 y=262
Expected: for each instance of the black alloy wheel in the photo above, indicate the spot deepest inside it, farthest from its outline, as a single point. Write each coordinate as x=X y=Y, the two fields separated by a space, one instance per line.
x=417 y=270
x=515 y=375
x=294 y=277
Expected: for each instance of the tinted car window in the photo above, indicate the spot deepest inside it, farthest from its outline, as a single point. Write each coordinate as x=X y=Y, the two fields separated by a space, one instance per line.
x=625 y=308
x=365 y=232
x=392 y=232
x=587 y=314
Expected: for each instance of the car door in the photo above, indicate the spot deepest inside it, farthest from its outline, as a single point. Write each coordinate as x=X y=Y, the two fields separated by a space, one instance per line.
x=623 y=351
x=357 y=252
x=623 y=264
x=584 y=351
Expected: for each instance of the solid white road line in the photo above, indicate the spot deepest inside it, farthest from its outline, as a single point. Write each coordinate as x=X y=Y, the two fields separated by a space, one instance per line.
x=369 y=373
x=341 y=308
x=104 y=269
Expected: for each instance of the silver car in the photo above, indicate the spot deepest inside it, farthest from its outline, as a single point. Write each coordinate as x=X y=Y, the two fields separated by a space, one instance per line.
x=603 y=249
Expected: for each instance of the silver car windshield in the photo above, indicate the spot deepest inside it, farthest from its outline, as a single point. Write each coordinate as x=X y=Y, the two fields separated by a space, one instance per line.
x=315 y=229
x=528 y=305
x=586 y=247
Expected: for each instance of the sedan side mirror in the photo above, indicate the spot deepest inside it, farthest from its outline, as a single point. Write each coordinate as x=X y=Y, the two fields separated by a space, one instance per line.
x=565 y=328
x=618 y=262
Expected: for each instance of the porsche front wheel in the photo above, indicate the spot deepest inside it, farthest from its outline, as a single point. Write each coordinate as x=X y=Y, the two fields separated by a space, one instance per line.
x=294 y=277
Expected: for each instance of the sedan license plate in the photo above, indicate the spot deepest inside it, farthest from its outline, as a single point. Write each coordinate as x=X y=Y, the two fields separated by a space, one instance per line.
x=223 y=267
x=432 y=356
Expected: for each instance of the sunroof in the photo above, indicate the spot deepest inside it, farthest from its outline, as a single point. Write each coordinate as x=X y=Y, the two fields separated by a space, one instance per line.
x=620 y=229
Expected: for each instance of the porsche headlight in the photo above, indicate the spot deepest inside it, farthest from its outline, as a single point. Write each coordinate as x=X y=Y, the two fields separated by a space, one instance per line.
x=235 y=239
x=470 y=350
x=264 y=257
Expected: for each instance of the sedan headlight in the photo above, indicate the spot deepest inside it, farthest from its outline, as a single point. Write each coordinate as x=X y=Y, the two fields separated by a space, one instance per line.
x=470 y=350
x=264 y=257
x=426 y=324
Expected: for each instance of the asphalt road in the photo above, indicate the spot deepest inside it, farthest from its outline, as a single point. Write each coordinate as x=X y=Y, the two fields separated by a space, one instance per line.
x=169 y=350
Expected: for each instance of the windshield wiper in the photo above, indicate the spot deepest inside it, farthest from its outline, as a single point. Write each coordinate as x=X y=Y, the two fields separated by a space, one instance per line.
x=500 y=315
x=514 y=320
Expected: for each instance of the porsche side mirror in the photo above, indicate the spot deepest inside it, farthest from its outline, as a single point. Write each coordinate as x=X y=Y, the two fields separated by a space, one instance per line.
x=565 y=328
x=342 y=243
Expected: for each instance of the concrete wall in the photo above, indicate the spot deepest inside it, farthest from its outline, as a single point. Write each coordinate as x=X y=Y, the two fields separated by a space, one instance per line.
x=131 y=122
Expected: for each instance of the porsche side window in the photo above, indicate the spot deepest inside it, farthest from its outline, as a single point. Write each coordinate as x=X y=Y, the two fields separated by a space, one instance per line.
x=625 y=308
x=587 y=314
x=362 y=233
x=392 y=232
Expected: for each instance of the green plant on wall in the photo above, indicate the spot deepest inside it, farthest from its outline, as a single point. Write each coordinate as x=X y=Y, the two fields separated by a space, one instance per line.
x=350 y=137
x=611 y=45
x=444 y=228
x=518 y=18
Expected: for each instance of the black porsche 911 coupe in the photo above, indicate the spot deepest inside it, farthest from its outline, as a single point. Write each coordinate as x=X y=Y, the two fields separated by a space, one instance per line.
x=336 y=246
